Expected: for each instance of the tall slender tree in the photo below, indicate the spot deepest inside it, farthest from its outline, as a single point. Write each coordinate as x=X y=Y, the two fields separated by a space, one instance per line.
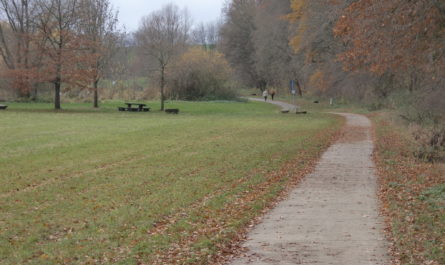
x=162 y=37
x=237 y=43
x=99 y=27
x=273 y=54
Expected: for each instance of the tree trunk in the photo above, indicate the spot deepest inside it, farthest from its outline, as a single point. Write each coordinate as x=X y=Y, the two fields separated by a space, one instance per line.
x=162 y=87
x=57 y=84
x=300 y=91
x=96 y=94
x=34 y=96
x=58 y=79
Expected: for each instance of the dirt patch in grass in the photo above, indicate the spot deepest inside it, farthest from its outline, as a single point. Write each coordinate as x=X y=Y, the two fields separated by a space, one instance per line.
x=413 y=197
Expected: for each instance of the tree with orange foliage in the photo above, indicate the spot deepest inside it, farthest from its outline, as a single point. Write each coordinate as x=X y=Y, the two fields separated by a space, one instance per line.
x=398 y=37
x=65 y=57
x=16 y=33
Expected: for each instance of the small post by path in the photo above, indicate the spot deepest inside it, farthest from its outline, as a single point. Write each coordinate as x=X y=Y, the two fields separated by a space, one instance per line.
x=294 y=93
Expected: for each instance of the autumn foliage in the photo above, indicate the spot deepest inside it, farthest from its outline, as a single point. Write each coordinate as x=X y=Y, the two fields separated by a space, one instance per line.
x=393 y=35
x=59 y=42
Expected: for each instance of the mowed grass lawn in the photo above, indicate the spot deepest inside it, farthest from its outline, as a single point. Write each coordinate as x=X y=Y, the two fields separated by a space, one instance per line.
x=83 y=186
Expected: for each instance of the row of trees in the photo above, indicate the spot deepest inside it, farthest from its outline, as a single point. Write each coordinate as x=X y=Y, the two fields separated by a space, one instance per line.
x=255 y=39
x=381 y=53
x=57 y=41
x=401 y=42
x=75 y=43
x=365 y=50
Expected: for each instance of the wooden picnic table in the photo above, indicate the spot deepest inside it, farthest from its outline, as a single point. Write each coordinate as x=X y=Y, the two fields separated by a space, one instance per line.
x=140 y=107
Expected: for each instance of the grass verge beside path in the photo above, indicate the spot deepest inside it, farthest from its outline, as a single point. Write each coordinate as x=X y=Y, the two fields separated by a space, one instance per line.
x=83 y=186
x=413 y=196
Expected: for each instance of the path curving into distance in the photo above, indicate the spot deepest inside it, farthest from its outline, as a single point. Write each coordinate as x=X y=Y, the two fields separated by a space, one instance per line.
x=283 y=105
x=332 y=217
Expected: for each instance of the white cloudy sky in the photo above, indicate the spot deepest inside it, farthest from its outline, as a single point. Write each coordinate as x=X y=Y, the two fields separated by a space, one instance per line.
x=131 y=11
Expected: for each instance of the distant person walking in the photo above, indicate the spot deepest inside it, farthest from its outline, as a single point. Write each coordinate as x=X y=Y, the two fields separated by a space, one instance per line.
x=272 y=94
x=265 y=94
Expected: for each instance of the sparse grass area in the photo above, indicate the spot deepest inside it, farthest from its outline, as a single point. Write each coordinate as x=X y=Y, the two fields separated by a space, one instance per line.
x=413 y=196
x=84 y=186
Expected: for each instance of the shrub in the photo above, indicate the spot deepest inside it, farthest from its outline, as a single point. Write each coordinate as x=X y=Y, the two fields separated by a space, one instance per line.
x=431 y=142
x=201 y=75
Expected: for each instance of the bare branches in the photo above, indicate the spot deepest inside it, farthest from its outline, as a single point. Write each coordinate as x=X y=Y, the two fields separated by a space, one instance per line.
x=98 y=24
x=162 y=37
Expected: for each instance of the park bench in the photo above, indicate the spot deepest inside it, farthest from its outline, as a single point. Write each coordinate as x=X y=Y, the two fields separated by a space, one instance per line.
x=172 y=111
x=286 y=111
x=3 y=107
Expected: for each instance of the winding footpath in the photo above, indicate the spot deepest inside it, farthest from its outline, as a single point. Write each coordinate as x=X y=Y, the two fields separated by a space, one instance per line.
x=283 y=105
x=332 y=216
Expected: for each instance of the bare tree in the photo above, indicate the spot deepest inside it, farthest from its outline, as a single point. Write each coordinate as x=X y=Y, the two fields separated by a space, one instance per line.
x=99 y=23
x=163 y=36
x=206 y=35
x=213 y=32
x=273 y=54
x=199 y=35
x=237 y=42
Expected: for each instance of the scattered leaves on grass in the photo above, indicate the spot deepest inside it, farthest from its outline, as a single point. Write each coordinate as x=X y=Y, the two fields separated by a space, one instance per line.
x=412 y=194
x=214 y=236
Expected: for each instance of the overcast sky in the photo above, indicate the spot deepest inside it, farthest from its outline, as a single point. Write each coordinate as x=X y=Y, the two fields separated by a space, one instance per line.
x=131 y=11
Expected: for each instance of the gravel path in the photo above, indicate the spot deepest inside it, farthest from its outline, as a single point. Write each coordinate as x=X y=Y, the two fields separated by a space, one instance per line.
x=283 y=105
x=332 y=216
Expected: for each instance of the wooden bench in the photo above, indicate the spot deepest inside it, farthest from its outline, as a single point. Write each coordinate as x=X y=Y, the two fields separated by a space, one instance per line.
x=172 y=111
x=3 y=107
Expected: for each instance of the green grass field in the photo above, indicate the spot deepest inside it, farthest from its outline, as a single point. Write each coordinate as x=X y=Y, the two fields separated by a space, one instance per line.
x=84 y=186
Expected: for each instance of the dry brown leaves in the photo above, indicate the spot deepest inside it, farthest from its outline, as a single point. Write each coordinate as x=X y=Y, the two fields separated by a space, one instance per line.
x=413 y=226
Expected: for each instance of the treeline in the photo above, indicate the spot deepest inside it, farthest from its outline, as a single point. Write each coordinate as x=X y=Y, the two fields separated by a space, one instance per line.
x=381 y=54
x=372 y=51
x=75 y=46
x=60 y=42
